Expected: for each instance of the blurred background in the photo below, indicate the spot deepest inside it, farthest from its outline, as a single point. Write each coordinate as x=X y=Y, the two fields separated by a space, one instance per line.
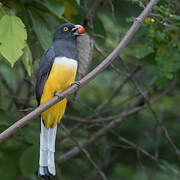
x=127 y=119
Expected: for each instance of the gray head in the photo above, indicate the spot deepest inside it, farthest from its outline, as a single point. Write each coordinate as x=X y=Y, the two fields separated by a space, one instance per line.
x=68 y=31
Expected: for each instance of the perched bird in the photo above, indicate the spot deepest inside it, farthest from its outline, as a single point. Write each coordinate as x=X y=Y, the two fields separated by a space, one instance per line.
x=57 y=72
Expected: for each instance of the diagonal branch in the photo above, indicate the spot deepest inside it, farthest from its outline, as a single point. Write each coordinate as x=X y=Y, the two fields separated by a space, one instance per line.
x=135 y=146
x=86 y=153
x=135 y=26
x=163 y=128
x=92 y=12
x=113 y=124
x=109 y=100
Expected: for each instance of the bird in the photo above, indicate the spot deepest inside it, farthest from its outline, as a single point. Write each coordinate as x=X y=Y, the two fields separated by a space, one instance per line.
x=57 y=72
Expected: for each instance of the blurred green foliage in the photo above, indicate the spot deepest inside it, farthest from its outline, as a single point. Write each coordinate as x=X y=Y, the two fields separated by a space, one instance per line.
x=26 y=31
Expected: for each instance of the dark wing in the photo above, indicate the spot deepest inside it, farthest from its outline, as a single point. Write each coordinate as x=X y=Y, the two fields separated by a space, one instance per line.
x=44 y=70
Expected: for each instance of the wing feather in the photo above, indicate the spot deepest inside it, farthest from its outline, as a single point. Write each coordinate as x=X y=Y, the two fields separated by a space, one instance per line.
x=44 y=70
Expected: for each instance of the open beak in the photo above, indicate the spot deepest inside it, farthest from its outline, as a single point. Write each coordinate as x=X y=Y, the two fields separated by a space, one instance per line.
x=78 y=30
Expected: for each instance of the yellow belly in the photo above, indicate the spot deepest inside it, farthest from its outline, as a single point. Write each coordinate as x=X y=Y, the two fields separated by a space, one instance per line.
x=62 y=75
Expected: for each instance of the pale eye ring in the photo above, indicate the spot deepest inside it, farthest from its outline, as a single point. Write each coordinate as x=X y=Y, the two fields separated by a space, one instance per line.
x=65 y=29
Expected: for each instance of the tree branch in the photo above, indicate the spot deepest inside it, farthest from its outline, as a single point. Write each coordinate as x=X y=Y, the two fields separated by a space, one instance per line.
x=86 y=153
x=86 y=79
x=92 y=12
x=134 y=146
x=163 y=128
x=107 y=101
x=113 y=124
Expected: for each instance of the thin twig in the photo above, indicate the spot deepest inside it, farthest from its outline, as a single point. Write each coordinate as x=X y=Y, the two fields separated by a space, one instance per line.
x=163 y=128
x=135 y=146
x=92 y=12
x=113 y=124
x=176 y=150
x=86 y=153
x=107 y=101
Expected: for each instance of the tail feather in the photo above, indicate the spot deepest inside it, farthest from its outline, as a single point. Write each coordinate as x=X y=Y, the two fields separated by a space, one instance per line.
x=47 y=149
x=51 y=149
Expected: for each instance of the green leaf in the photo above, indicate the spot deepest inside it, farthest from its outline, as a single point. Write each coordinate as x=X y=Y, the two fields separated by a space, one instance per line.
x=167 y=61
x=142 y=52
x=41 y=29
x=176 y=17
x=29 y=160
x=160 y=35
x=56 y=8
x=162 y=82
x=130 y=19
x=12 y=38
x=27 y=59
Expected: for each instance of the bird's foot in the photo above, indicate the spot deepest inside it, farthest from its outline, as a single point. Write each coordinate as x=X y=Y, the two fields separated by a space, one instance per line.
x=77 y=83
x=57 y=94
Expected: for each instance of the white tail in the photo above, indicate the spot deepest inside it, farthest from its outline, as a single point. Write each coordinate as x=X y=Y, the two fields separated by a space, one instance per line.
x=47 y=149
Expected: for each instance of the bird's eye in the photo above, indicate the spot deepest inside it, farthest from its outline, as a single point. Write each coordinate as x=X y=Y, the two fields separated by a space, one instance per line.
x=65 y=28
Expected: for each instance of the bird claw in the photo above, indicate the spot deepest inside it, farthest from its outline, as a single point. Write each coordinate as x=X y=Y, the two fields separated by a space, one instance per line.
x=57 y=94
x=77 y=83
x=60 y=96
